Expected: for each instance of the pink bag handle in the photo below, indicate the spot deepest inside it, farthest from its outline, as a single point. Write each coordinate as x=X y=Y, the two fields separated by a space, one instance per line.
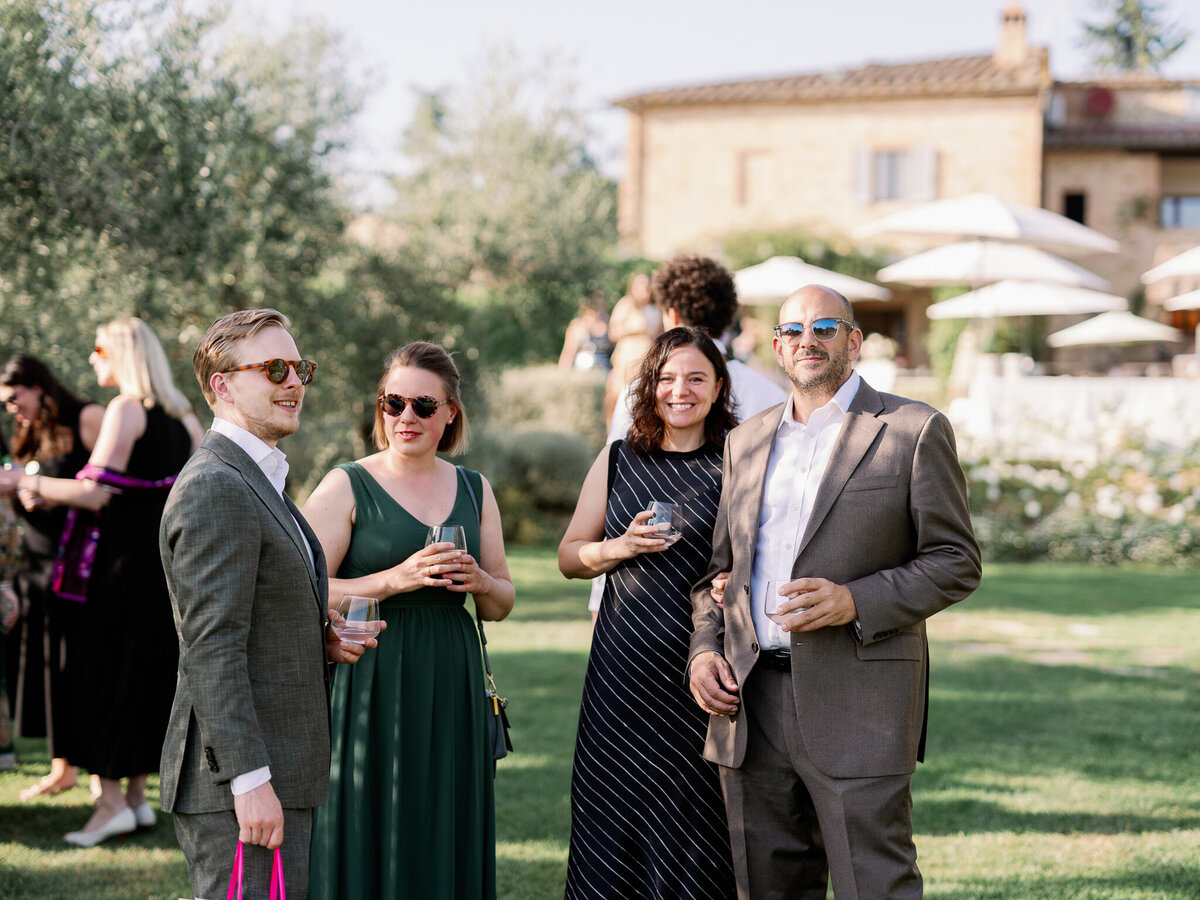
x=277 y=877
x=235 y=878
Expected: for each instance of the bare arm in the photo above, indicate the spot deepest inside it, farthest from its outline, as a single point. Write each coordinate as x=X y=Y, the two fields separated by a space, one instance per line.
x=583 y=552
x=120 y=426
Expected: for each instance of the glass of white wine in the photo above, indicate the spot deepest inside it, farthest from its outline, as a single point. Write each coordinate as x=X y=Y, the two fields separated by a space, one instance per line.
x=664 y=513
x=773 y=599
x=357 y=618
x=447 y=534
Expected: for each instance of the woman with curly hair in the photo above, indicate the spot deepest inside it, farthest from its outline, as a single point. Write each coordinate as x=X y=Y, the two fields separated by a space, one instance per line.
x=54 y=431
x=647 y=815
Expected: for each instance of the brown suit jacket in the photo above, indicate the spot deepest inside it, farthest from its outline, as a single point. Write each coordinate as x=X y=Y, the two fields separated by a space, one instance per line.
x=891 y=523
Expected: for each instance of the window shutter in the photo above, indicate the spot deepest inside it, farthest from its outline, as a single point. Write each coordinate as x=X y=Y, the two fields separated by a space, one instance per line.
x=923 y=160
x=863 y=194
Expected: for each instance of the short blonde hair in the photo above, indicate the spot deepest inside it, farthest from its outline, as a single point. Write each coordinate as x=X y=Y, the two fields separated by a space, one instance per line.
x=431 y=358
x=218 y=348
x=139 y=365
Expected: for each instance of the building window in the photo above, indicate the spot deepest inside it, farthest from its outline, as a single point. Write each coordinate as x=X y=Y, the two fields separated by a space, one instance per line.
x=752 y=183
x=1075 y=207
x=908 y=173
x=1180 y=211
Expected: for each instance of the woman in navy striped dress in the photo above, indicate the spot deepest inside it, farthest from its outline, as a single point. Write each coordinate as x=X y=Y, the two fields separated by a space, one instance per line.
x=647 y=816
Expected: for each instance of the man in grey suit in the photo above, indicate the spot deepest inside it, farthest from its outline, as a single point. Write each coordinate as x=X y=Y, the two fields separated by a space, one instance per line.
x=246 y=757
x=853 y=502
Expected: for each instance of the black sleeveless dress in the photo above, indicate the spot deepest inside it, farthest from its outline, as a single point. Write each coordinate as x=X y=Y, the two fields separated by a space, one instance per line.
x=130 y=652
x=647 y=814
x=43 y=698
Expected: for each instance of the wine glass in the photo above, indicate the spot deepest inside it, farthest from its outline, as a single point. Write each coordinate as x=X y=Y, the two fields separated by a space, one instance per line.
x=773 y=599
x=447 y=534
x=357 y=618
x=664 y=513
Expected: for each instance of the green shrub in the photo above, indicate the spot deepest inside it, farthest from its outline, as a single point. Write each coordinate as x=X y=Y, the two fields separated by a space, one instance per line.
x=536 y=475
x=542 y=430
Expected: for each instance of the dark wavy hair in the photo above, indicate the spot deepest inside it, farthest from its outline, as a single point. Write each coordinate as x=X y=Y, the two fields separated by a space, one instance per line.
x=647 y=431
x=43 y=437
x=700 y=290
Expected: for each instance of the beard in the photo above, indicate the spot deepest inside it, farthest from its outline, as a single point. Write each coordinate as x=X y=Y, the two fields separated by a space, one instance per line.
x=829 y=377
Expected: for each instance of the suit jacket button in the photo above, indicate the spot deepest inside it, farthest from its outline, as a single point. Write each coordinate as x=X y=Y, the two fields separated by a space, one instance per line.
x=745 y=588
x=754 y=648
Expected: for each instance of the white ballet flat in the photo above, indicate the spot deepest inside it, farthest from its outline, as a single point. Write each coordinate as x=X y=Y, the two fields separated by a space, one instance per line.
x=145 y=815
x=122 y=823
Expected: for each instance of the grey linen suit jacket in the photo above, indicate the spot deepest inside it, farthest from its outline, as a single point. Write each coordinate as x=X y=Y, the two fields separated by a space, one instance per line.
x=249 y=611
x=890 y=522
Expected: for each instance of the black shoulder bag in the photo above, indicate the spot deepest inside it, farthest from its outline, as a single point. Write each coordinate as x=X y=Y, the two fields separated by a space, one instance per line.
x=497 y=717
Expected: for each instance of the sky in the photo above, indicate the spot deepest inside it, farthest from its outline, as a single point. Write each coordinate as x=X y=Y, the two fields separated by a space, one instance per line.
x=622 y=47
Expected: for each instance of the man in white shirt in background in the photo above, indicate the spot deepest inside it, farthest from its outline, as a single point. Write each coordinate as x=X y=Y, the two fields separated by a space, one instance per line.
x=694 y=290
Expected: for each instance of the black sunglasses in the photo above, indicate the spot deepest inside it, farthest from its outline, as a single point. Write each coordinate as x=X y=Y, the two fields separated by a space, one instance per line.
x=424 y=407
x=277 y=369
x=822 y=329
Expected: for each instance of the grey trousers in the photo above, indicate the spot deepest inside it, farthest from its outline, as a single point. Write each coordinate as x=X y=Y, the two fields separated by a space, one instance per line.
x=209 y=842
x=786 y=817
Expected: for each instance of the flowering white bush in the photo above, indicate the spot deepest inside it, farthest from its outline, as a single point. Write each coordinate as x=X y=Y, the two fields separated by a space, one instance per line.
x=1142 y=505
x=1086 y=469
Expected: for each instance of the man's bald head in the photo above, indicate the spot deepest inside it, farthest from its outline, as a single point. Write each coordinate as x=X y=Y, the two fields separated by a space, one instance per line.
x=804 y=297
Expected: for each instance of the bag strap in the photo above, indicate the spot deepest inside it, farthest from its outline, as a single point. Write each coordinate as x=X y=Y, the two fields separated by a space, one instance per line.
x=235 y=877
x=613 y=453
x=487 y=665
x=277 y=890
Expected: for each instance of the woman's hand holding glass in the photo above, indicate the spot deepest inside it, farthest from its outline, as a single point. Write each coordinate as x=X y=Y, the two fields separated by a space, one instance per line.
x=641 y=537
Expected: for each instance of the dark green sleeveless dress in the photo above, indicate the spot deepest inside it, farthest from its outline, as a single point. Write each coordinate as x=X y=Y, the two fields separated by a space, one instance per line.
x=410 y=813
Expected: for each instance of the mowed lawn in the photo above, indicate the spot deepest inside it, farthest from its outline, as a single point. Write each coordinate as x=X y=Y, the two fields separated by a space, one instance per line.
x=1063 y=758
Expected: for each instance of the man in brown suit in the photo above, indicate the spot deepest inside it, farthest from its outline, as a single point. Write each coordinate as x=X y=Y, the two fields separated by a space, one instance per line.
x=854 y=502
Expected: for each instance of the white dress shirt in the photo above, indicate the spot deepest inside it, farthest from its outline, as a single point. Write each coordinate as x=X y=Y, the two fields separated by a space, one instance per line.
x=274 y=465
x=798 y=462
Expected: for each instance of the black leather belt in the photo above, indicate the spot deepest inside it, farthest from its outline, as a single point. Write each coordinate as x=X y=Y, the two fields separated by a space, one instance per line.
x=776 y=660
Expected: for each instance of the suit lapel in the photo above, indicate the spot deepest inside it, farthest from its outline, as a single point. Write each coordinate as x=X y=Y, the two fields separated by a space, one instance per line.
x=283 y=510
x=751 y=472
x=749 y=475
x=858 y=433
x=320 y=576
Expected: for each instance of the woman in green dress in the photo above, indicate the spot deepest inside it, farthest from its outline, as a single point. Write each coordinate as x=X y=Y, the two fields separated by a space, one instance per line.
x=410 y=810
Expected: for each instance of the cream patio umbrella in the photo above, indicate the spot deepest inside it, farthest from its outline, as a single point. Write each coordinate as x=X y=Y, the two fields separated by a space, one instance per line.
x=1182 y=266
x=977 y=263
x=773 y=281
x=987 y=217
x=1117 y=327
x=1190 y=300
x=1024 y=298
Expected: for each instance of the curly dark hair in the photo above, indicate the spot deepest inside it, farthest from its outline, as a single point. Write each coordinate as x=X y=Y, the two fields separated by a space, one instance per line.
x=700 y=290
x=42 y=437
x=647 y=431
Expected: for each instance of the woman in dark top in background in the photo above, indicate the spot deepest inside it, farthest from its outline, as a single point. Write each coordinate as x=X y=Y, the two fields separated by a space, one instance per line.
x=53 y=434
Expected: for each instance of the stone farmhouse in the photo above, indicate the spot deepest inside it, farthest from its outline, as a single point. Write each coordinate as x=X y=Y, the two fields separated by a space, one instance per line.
x=829 y=151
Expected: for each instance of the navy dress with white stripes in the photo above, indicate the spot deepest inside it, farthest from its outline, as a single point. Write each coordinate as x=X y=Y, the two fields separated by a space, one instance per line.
x=647 y=815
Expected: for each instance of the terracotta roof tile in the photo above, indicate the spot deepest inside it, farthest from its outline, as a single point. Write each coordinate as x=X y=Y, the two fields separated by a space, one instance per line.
x=958 y=76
